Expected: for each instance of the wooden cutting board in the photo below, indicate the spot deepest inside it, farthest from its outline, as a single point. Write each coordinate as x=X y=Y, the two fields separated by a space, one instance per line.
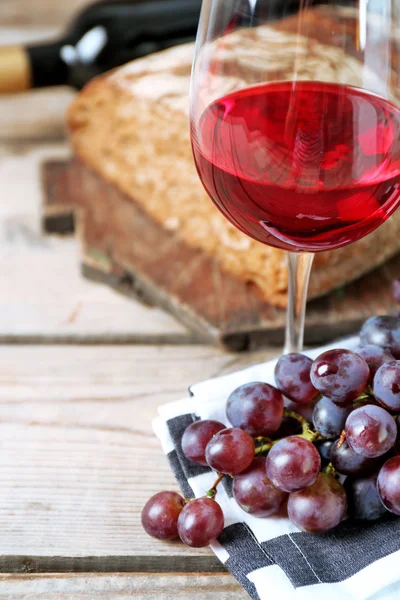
x=124 y=248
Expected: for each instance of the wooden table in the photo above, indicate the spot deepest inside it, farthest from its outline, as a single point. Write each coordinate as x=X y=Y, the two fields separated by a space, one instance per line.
x=82 y=371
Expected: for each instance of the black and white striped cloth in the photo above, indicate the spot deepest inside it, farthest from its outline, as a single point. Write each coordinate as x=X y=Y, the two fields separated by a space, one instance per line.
x=270 y=557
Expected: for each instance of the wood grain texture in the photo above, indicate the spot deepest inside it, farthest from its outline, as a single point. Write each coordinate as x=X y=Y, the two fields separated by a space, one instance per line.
x=78 y=458
x=44 y=297
x=38 y=12
x=174 y=586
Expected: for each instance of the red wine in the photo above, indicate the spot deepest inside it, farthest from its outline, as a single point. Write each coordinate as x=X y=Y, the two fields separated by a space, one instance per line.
x=301 y=165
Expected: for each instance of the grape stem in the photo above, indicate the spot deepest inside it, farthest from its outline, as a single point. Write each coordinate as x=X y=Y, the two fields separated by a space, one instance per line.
x=330 y=470
x=366 y=396
x=342 y=439
x=265 y=447
x=307 y=433
x=212 y=492
x=295 y=415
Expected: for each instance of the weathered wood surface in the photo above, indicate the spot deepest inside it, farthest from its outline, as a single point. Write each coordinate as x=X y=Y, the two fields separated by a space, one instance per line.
x=176 y=586
x=38 y=12
x=43 y=295
x=78 y=458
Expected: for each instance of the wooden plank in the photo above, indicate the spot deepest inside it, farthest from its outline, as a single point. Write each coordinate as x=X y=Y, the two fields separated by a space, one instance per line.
x=43 y=296
x=40 y=12
x=156 y=586
x=78 y=458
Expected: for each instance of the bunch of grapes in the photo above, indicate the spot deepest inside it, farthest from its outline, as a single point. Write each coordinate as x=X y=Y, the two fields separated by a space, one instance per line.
x=345 y=463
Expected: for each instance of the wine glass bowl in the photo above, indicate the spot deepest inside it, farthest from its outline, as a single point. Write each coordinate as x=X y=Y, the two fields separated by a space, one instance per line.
x=295 y=124
x=301 y=166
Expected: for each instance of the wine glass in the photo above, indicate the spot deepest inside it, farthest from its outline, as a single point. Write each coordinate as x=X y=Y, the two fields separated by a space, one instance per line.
x=295 y=124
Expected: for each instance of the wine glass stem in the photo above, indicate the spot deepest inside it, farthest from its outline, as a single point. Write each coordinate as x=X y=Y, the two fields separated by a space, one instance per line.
x=299 y=269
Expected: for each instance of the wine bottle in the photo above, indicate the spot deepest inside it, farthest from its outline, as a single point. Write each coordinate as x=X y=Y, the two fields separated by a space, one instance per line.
x=103 y=36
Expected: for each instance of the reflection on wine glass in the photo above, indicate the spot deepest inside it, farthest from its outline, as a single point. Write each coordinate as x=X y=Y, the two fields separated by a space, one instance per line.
x=295 y=125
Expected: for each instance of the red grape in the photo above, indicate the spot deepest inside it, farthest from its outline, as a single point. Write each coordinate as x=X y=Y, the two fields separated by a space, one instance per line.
x=329 y=418
x=387 y=385
x=160 y=515
x=375 y=357
x=382 y=331
x=230 y=451
x=320 y=507
x=363 y=498
x=340 y=375
x=292 y=378
x=348 y=462
x=324 y=448
x=371 y=431
x=200 y=522
x=292 y=464
x=257 y=408
x=254 y=492
x=196 y=438
x=389 y=485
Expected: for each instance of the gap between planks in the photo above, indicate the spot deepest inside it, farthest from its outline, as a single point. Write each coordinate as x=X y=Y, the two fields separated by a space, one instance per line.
x=44 y=298
x=78 y=458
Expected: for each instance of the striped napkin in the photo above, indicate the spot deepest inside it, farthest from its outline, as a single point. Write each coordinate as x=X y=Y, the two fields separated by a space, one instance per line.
x=270 y=557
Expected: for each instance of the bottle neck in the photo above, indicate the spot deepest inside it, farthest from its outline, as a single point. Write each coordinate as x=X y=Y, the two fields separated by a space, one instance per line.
x=23 y=68
x=15 y=70
x=46 y=65
x=104 y=36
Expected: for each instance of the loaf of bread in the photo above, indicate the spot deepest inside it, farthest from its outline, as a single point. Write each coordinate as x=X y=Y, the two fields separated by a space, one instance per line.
x=132 y=128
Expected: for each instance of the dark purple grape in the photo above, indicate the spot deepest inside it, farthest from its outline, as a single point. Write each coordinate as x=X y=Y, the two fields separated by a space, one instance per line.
x=396 y=289
x=200 y=522
x=387 y=385
x=324 y=448
x=348 y=462
x=196 y=438
x=363 y=498
x=320 y=507
x=375 y=357
x=329 y=418
x=382 y=331
x=292 y=378
x=230 y=451
x=389 y=485
x=340 y=375
x=257 y=408
x=160 y=515
x=254 y=492
x=371 y=431
x=292 y=464
x=289 y=426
